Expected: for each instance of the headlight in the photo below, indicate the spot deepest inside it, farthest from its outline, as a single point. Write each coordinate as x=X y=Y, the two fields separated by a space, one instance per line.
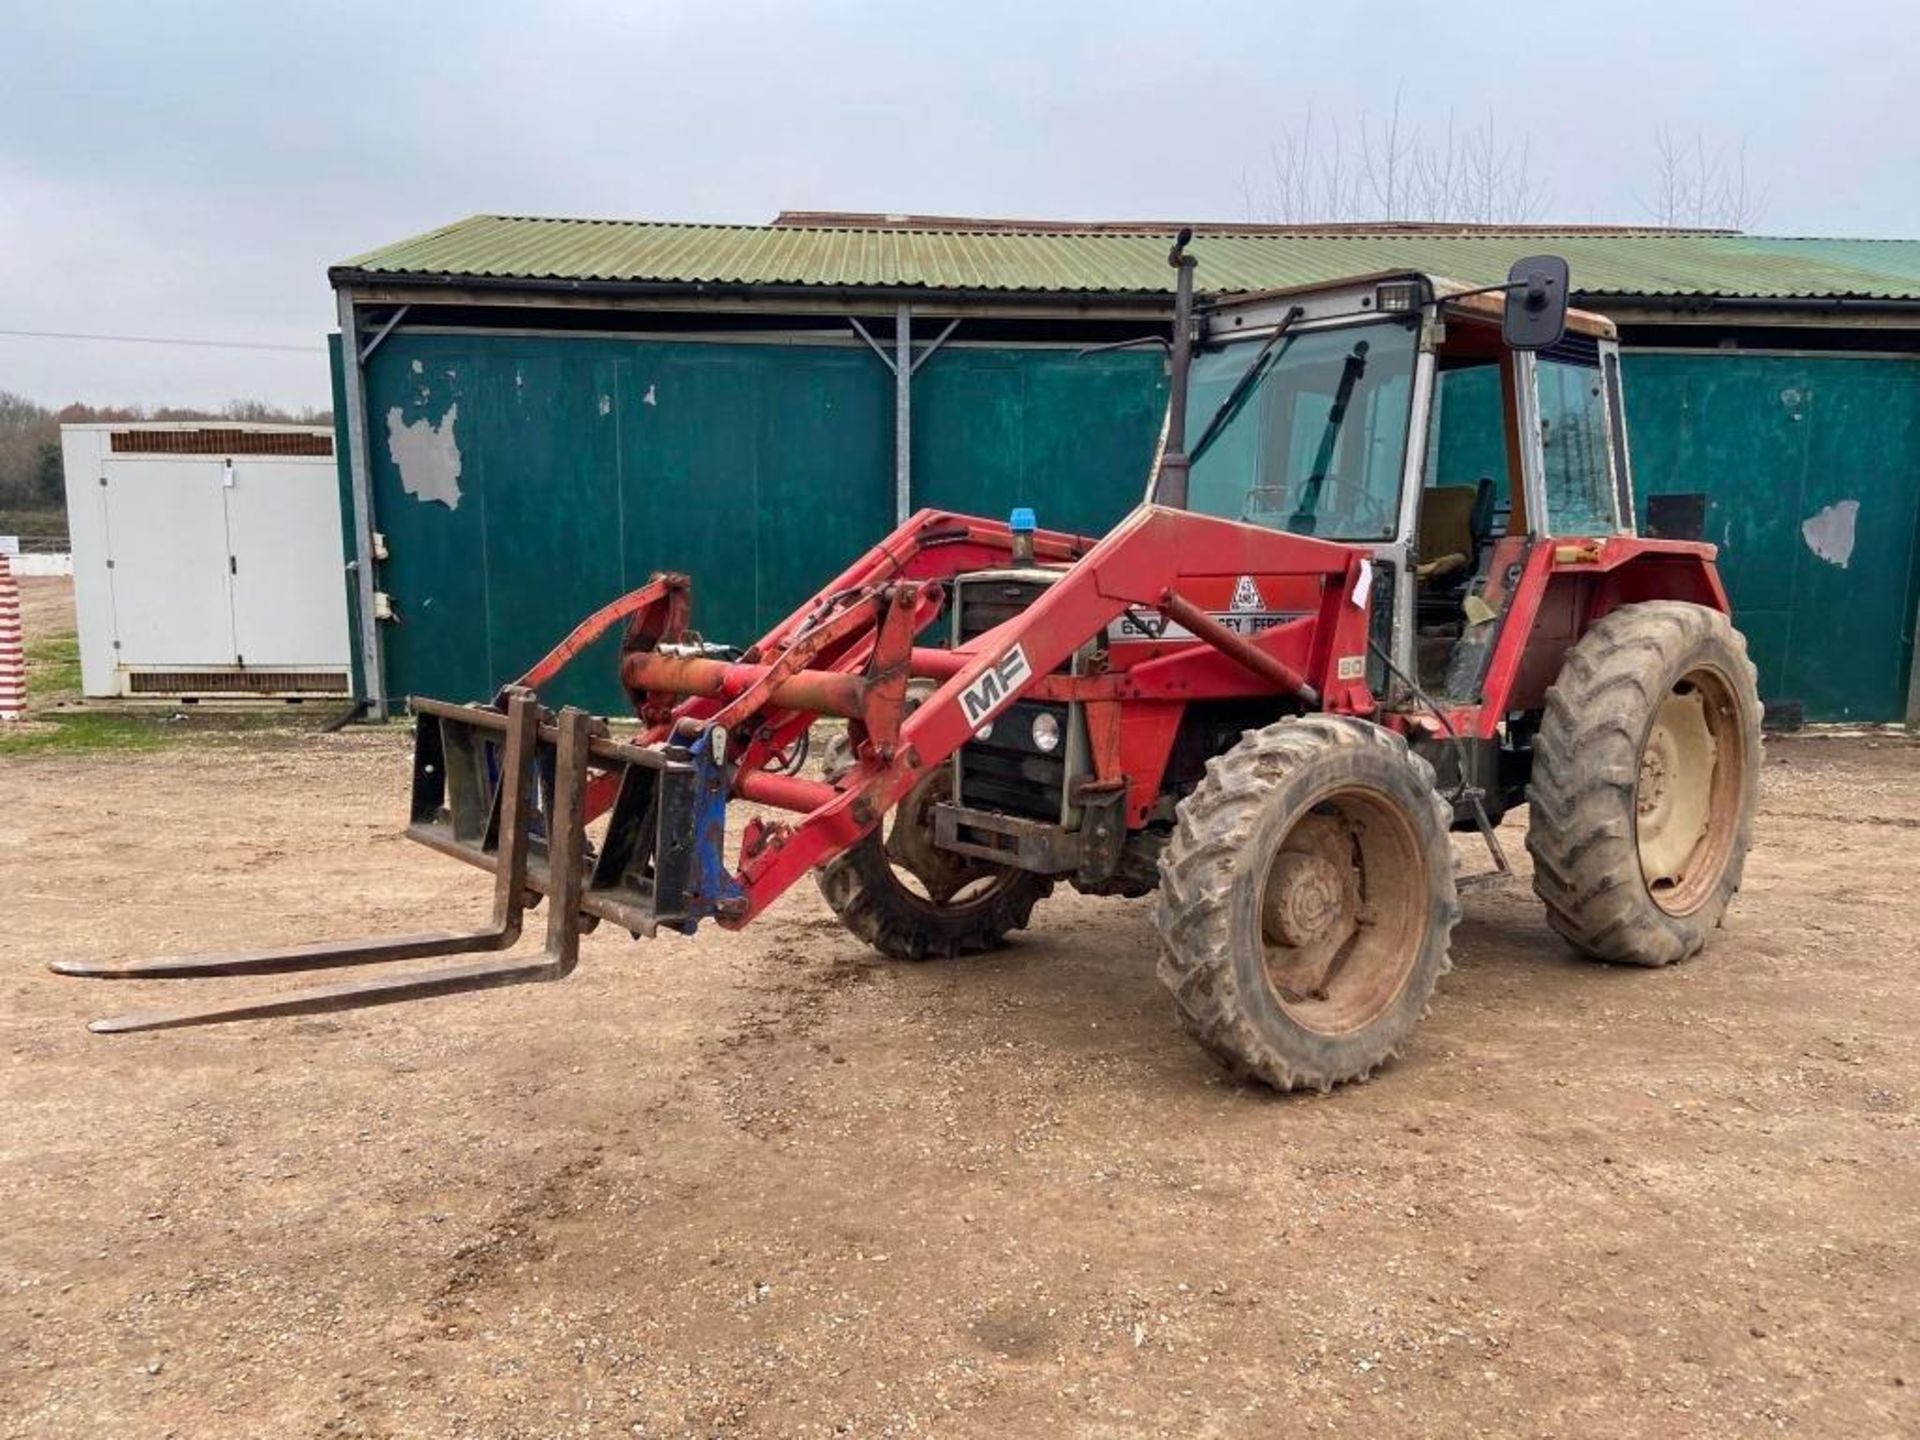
x=1046 y=732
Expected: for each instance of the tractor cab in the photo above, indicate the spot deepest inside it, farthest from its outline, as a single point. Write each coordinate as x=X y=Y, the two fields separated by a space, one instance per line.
x=1447 y=429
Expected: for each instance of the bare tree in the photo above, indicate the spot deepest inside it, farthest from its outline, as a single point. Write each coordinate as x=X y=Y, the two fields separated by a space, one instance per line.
x=1308 y=178
x=1394 y=172
x=1496 y=183
x=1386 y=162
x=1435 y=183
x=1694 y=187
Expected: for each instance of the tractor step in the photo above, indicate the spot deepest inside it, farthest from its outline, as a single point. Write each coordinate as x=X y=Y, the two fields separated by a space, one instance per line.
x=506 y=792
x=1502 y=871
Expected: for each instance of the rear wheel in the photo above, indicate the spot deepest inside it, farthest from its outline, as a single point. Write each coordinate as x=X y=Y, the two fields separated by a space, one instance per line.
x=911 y=900
x=1645 y=773
x=1307 y=902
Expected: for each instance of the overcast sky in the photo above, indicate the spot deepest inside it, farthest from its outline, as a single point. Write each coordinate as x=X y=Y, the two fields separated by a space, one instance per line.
x=191 y=170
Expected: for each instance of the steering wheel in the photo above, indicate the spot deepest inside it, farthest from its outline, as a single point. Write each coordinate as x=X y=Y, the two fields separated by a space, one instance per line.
x=1364 y=509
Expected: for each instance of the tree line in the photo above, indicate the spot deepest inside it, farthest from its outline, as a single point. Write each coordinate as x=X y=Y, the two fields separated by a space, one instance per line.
x=1389 y=167
x=30 y=469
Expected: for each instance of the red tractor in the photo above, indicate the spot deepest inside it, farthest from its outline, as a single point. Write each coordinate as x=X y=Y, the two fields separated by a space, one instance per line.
x=1266 y=697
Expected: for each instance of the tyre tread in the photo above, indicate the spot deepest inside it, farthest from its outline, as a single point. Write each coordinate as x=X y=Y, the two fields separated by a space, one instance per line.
x=1586 y=761
x=1214 y=828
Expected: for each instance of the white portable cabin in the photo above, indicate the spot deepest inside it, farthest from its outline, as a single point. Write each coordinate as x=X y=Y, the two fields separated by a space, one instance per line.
x=207 y=560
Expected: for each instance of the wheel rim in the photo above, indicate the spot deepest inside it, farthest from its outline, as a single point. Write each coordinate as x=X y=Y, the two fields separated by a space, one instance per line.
x=936 y=878
x=1343 y=911
x=1686 y=802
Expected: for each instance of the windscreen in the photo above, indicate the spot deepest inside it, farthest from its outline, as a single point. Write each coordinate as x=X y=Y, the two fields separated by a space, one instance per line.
x=1308 y=434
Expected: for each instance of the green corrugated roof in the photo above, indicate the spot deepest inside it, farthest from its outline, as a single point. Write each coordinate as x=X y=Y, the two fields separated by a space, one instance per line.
x=1054 y=262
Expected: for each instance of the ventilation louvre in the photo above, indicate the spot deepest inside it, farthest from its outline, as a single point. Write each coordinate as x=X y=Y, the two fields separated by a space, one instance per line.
x=235 y=682
x=217 y=441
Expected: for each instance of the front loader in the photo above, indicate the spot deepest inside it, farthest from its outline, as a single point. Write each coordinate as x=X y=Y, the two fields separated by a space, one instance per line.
x=1266 y=697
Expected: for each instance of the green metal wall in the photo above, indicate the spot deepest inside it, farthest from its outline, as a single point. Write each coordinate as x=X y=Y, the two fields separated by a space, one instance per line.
x=586 y=463
x=1071 y=437
x=1774 y=441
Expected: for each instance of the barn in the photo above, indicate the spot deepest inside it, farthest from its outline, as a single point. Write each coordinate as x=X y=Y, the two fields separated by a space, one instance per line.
x=535 y=414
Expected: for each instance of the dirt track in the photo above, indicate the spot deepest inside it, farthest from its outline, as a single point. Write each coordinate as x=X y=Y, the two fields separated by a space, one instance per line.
x=764 y=1185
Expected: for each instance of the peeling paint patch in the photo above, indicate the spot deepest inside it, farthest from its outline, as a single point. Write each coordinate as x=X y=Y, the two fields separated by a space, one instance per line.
x=650 y=398
x=606 y=404
x=1830 y=532
x=427 y=456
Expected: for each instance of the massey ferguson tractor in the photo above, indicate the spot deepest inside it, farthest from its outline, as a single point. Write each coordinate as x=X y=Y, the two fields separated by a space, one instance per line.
x=1265 y=698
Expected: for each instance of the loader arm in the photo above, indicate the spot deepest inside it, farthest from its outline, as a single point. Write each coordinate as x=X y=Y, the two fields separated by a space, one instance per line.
x=1144 y=563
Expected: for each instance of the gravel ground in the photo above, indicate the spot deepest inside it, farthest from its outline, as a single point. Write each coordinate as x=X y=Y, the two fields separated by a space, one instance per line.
x=765 y=1184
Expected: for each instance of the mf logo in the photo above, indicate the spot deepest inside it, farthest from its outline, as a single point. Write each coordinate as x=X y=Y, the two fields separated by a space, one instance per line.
x=993 y=689
x=1247 y=596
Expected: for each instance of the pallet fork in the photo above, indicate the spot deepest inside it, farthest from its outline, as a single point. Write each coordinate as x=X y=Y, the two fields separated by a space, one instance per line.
x=504 y=789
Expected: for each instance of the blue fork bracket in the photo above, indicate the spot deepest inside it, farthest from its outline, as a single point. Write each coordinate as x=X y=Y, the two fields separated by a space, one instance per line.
x=540 y=798
x=713 y=884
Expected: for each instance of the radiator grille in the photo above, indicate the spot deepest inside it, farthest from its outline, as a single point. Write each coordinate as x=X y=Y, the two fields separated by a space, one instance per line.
x=1006 y=772
x=217 y=441
x=985 y=603
x=235 y=682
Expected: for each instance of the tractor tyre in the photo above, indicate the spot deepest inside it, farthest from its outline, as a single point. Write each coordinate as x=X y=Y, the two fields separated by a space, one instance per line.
x=1307 y=902
x=912 y=901
x=1645 y=772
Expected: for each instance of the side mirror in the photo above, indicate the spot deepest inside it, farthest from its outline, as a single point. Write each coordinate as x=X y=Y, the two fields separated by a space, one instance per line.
x=1536 y=315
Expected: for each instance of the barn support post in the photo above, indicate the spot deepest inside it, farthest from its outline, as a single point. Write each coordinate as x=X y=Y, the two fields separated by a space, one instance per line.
x=904 y=364
x=360 y=483
x=902 y=412
x=385 y=330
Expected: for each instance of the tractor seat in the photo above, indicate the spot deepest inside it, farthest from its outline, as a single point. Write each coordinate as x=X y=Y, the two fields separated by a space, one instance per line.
x=1456 y=521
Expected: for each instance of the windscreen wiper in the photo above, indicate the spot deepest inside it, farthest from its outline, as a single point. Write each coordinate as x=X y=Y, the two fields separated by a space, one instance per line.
x=1256 y=367
x=1302 y=521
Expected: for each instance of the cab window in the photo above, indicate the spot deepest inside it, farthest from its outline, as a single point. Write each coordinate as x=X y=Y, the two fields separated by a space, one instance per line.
x=1581 y=496
x=1467 y=427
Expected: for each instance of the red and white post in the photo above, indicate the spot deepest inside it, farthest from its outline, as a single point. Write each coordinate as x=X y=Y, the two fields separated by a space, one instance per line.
x=13 y=647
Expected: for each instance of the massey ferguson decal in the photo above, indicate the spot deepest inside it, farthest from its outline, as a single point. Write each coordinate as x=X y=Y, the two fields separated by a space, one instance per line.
x=1248 y=615
x=993 y=689
x=1140 y=624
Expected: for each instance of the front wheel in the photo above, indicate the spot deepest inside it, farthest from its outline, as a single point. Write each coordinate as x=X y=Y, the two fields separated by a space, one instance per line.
x=1645 y=776
x=1307 y=902
x=910 y=900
